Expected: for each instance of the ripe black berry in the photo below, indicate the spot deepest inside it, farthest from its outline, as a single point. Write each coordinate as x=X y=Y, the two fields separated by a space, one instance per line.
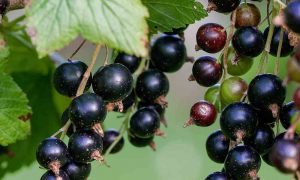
x=113 y=82
x=266 y=92
x=217 y=146
x=292 y=17
x=77 y=171
x=85 y=146
x=211 y=37
x=49 y=175
x=67 y=77
x=168 y=53
x=152 y=85
x=238 y=120
x=52 y=153
x=217 y=176
x=87 y=110
x=207 y=71
x=109 y=137
x=144 y=122
x=248 y=41
x=130 y=61
x=223 y=6
x=286 y=114
x=242 y=162
x=141 y=142
x=247 y=14
x=158 y=108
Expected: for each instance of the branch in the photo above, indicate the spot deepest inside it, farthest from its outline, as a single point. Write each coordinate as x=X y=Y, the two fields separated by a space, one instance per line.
x=9 y=5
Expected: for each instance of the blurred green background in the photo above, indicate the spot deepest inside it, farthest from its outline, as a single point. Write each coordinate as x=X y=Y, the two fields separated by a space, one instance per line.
x=179 y=156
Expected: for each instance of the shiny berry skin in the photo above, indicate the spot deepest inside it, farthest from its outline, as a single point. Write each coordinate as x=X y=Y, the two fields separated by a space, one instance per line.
x=151 y=84
x=238 y=121
x=211 y=37
x=265 y=91
x=86 y=110
x=168 y=53
x=144 y=122
x=296 y=98
x=113 y=82
x=212 y=95
x=158 y=108
x=286 y=47
x=217 y=146
x=233 y=90
x=286 y=114
x=49 y=175
x=77 y=171
x=207 y=71
x=292 y=17
x=109 y=137
x=128 y=102
x=217 y=176
x=203 y=113
x=67 y=77
x=130 y=61
x=52 y=153
x=247 y=14
x=140 y=142
x=85 y=146
x=223 y=6
x=262 y=140
x=248 y=41
x=285 y=156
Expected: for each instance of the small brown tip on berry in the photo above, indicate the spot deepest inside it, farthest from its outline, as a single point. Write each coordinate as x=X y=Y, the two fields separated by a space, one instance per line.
x=54 y=167
x=197 y=48
x=98 y=129
x=163 y=120
x=190 y=59
x=152 y=145
x=161 y=100
x=274 y=109
x=191 y=78
x=188 y=123
x=120 y=106
x=211 y=7
x=160 y=133
x=98 y=157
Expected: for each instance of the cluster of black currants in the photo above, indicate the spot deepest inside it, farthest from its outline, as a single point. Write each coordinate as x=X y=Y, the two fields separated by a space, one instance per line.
x=248 y=112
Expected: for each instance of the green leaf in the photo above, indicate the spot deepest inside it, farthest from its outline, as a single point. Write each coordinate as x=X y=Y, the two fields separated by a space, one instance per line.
x=4 y=51
x=168 y=14
x=120 y=24
x=14 y=112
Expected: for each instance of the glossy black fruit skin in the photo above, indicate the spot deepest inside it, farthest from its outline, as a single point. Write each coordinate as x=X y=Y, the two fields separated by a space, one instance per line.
x=77 y=171
x=113 y=82
x=224 y=6
x=139 y=142
x=168 y=53
x=144 y=122
x=286 y=47
x=67 y=77
x=128 y=102
x=286 y=113
x=151 y=84
x=262 y=140
x=109 y=137
x=217 y=176
x=52 y=150
x=87 y=110
x=265 y=90
x=207 y=71
x=242 y=162
x=238 y=120
x=130 y=61
x=292 y=17
x=248 y=41
x=217 y=146
x=84 y=144
x=285 y=156
x=64 y=119
x=157 y=107
x=49 y=175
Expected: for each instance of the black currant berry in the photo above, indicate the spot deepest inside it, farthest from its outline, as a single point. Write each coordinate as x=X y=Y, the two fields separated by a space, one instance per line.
x=247 y=14
x=262 y=140
x=292 y=17
x=49 y=175
x=109 y=137
x=285 y=156
x=286 y=47
x=152 y=85
x=222 y=6
x=242 y=162
x=113 y=82
x=207 y=71
x=217 y=176
x=158 y=108
x=86 y=110
x=266 y=91
x=265 y=117
x=128 y=102
x=77 y=171
x=141 y=142
x=144 y=122
x=238 y=121
x=67 y=77
x=217 y=146
x=286 y=114
x=168 y=53
x=64 y=119
x=296 y=98
x=85 y=146
x=248 y=41
x=211 y=37
x=130 y=61
x=52 y=153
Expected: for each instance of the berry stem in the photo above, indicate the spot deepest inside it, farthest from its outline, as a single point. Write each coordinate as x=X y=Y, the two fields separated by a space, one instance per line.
x=265 y=19
x=282 y=4
x=268 y=11
x=77 y=49
x=106 y=56
x=291 y=130
x=276 y=69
